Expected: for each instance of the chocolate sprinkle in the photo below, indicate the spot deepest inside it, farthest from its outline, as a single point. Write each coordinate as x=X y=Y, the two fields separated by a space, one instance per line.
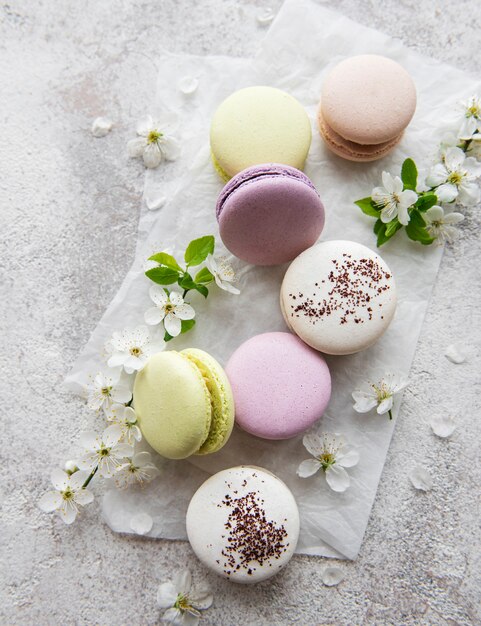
x=252 y=538
x=355 y=284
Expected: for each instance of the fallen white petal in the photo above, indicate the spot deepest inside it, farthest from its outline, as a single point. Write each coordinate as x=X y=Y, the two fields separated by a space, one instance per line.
x=188 y=84
x=455 y=354
x=265 y=16
x=101 y=126
x=421 y=478
x=332 y=576
x=155 y=202
x=442 y=425
x=141 y=523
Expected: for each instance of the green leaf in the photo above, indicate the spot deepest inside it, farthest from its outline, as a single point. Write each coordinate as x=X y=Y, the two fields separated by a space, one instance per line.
x=186 y=325
x=168 y=260
x=409 y=174
x=198 y=249
x=204 y=276
x=186 y=281
x=202 y=289
x=392 y=227
x=167 y=337
x=367 y=206
x=416 y=229
x=426 y=202
x=378 y=226
x=162 y=275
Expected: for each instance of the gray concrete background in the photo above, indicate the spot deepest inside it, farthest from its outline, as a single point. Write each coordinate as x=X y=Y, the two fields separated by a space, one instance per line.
x=69 y=208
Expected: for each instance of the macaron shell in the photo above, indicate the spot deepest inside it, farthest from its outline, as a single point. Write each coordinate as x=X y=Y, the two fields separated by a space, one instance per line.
x=368 y=99
x=259 y=125
x=281 y=386
x=339 y=297
x=172 y=405
x=243 y=524
x=270 y=215
x=222 y=400
x=354 y=151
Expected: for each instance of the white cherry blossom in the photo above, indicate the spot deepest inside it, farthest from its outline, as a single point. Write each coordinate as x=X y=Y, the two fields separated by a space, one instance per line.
x=454 y=178
x=223 y=273
x=379 y=395
x=107 y=390
x=441 y=224
x=105 y=451
x=392 y=200
x=472 y=118
x=331 y=454
x=130 y=349
x=155 y=142
x=69 y=494
x=125 y=417
x=171 y=309
x=182 y=600
x=138 y=469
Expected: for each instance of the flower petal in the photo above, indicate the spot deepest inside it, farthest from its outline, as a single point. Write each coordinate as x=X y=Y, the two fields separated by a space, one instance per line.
x=174 y=616
x=60 y=479
x=183 y=581
x=123 y=450
x=454 y=158
x=111 y=435
x=170 y=148
x=158 y=295
x=447 y=192
x=347 y=457
x=117 y=359
x=364 y=402
x=434 y=214
x=184 y=312
x=226 y=286
x=121 y=394
x=313 y=444
x=442 y=425
x=172 y=325
x=135 y=147
x=201 y=597
x=77 y=479
x=152 y=156
x=68 y=513
x=337 y=478
x=176 y=298
x=469 y=194
x=154 y=316
x=308 y=468
x=84 y=496
x=50 y=501
x=388 y=181
x=437 y=175
x=385 y=406
x=145 y=125
x=89 y=440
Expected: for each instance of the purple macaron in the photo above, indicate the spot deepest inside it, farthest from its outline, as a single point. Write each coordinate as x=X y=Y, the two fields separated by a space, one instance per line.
x=280 y=385
x=268 y=214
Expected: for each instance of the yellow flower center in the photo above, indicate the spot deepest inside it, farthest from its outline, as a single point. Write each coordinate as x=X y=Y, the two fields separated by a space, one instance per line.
x=183 y=603
x=135 y=351
x=169 y=307
x=327 y=459
x=67 y=494
x=105 y=391
x=154 y=136
x=382 y=392
x=455 y=178
x=473 y=111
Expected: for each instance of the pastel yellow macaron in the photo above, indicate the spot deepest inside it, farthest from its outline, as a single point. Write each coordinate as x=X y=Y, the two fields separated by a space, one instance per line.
x=184 y=404
x=259 y=125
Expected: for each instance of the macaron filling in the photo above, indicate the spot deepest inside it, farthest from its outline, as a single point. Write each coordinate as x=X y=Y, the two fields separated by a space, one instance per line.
x=252 y=175
x=221 y=422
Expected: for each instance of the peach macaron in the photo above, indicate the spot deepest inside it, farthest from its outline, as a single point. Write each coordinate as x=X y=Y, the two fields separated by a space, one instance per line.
x=367 y=101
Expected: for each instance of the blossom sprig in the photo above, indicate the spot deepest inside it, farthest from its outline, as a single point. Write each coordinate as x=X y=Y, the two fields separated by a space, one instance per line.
x=398 y=203
x=182 y=601
x=379 y=394
x=176 y=315
x=332 y=455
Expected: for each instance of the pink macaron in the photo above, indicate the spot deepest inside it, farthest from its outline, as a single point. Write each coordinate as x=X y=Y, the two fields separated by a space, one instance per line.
x=268 y=214
x=280 y=385
x=367 y=101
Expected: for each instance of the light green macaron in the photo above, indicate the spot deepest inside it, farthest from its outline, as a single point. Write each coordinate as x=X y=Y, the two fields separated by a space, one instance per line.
x=259 y=125
x=184 y=404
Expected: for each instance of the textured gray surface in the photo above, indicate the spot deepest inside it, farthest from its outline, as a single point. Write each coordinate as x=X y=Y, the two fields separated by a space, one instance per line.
x=69 y=209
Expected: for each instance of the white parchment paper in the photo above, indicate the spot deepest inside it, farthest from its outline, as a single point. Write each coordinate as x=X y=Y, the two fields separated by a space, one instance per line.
x=304 y=42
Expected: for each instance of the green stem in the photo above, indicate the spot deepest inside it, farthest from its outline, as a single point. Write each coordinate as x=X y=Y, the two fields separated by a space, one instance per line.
x=91 y=475
x=390 y=414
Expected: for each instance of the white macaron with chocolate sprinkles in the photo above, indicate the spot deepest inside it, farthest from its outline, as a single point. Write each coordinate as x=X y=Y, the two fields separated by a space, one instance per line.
x=243 y=524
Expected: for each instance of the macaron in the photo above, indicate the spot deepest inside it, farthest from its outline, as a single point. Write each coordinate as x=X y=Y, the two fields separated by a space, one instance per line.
x=268 y=214
x=243 y=524
x=338 y=296
x=183 y=403
x=259 y=125
x=367 y=101
x=280 y=385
